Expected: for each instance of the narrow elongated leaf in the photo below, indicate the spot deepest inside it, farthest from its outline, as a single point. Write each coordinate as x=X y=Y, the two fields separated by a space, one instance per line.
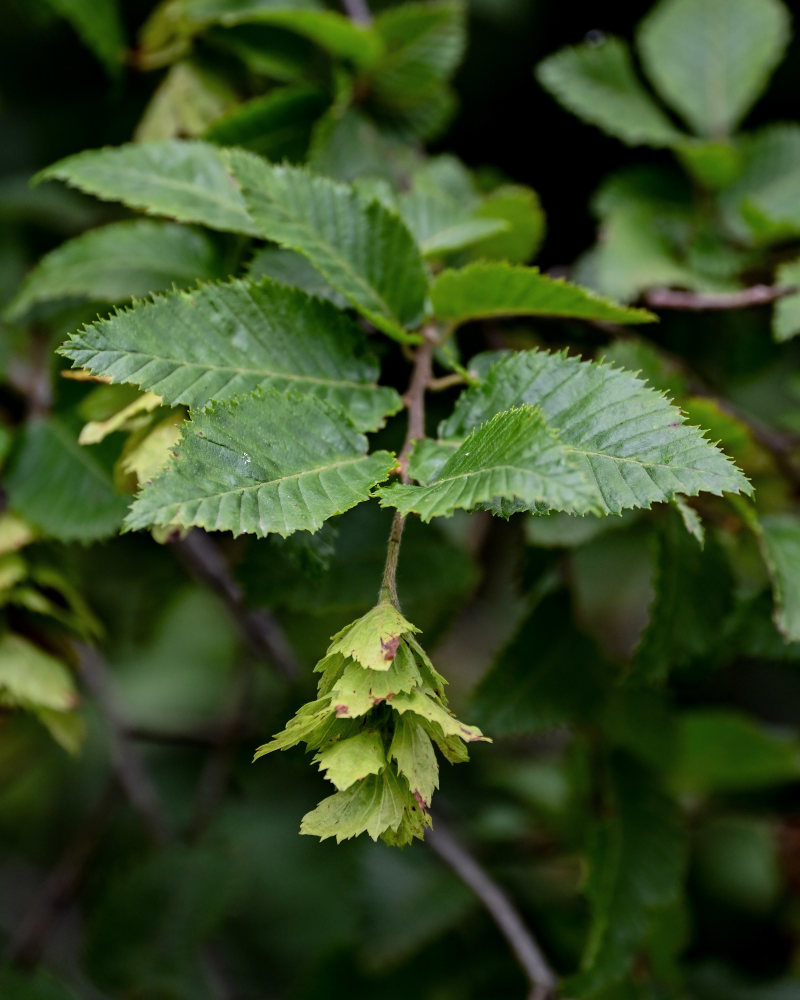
x=482 y=291
x=413 y=752
x=277 y=125
x=710 y=59
x=636 y=446
x=60 y=486
x=597 y=82
x=99 y=25
x=220 y=340
x=269 y=462
x=185 y=180
x=513 y=456
x=118 y=262
x=636 y=861
x=780 y=540
x=361 y=248
x=29 y=677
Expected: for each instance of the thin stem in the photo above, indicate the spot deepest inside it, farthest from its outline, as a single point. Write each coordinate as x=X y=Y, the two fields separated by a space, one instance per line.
x=446 y=382
x=357 y=11
x=743 y=298
x=260 y=629
x=126 y=759
x=501 y=909
x=414 y=400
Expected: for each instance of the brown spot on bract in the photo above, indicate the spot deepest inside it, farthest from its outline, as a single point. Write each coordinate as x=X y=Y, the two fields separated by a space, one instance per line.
x=341 y=710
x=420 y=801
x=389 y=647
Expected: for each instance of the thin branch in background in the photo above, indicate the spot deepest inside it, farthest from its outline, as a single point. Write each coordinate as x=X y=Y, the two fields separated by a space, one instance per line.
x=501 y=909
x=61 y=885
x=743 y=298
x=357 y=11
x=261 y=630
x=126 y=760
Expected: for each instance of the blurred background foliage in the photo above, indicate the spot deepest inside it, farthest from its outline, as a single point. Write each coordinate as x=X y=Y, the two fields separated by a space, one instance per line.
x=185 y=877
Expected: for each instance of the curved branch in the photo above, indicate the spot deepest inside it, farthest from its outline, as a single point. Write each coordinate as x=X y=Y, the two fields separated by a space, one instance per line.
x=743 y=298
x=501 y=909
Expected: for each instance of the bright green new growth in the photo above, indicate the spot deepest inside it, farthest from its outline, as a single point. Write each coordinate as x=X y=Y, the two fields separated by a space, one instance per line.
x=380 y=710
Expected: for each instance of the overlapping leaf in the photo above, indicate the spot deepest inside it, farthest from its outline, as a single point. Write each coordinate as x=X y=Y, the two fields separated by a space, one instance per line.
x=634 y=446
x=710 y=59
x=597 y=82
x=363 y=250
x=118 y=262
x=268 y=462
x=223 y=339
x=482 y=291
x=513 y=456
x=185 y=180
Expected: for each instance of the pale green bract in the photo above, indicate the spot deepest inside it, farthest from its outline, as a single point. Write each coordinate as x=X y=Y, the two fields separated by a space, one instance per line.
x=380 y=709
x=219 y=340
x=268 y=462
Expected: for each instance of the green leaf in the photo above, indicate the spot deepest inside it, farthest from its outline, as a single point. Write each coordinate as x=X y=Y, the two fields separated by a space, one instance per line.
x=424 y=43
x=219 y=340
x=60 y=487
x=371 y=806
x=277 y=125
x=440 y=225
x=328 y=29
x=290 y=268
x=520 y=209
x=31 y=678
x=350 y=760
x=358 y=690
x=693 y=598
x=431 y=710
x=187 y=101
x=636 y=862
x=711 y=59
x=725 y=751
x=310 y=720
x=636 y=447
x=786 y=311
x=118 y=262
x=362 y=249
x=780 y=542
x=266 y=462
x=513 y=456
x=413 y=751
x=185 y=180
x=597 y=82
x=374 y=639
x=483 y=291
x=99 y=24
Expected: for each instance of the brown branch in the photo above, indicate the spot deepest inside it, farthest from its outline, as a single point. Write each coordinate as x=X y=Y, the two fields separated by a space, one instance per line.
x=62 y=883
x=357 y=11
x=261 y=630
x=501 y=909
x=126 y=760
x=743 y=298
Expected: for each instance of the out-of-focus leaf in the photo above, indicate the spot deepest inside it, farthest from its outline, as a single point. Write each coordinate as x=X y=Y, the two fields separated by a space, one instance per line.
x=99 y=24
x=31 y=678
x=780 y=539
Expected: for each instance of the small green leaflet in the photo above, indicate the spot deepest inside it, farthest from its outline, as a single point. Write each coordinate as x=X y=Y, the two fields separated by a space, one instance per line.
x=373 y=640
x=222 y=339
x=363 y=250
x=780 y=543
x=268 y=462
x=371 y=806
x=62 y=487
x=117 y=262
x=485 y=290
x=597 y=82
x=634 y=461
x=185 y=180
x=514 y=455
x=710 y=59
x=347 y=761
x=31 y=678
